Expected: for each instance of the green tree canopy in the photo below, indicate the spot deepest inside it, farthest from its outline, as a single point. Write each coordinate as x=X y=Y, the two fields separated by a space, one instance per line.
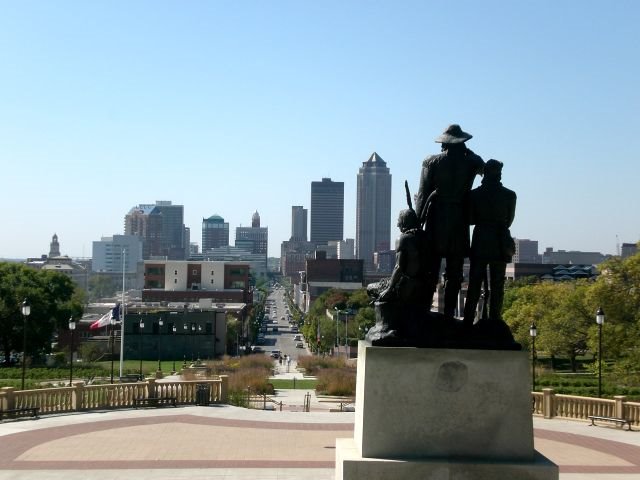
x=617 y=291
x=316 y=321
x=53 y=299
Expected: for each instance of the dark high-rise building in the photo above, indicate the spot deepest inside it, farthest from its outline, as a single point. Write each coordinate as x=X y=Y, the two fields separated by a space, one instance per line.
x=161 y=227
x=215 y=232
x=373 y=209
x=327 y=211
x=298 y=223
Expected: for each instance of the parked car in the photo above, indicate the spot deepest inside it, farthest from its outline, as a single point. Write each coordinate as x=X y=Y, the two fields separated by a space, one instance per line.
x=275 y=353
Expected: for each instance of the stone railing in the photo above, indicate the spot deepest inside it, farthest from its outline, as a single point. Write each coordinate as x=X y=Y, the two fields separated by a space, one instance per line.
x=550 y=404
x=82 y=397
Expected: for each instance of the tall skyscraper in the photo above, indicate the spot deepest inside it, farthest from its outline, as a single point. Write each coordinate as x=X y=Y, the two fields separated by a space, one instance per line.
x=298 y=223
x=254 y=239
x=327 y=211
x=215 y=232
x=162 y=228
x=373 y=209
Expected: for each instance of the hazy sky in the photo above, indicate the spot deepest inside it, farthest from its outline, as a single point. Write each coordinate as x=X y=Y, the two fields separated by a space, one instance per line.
x=228 y=107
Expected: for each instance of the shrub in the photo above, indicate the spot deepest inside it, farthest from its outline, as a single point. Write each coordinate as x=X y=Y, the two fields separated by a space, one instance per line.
x=334 y=381
x=313 y=364
x=251 y=371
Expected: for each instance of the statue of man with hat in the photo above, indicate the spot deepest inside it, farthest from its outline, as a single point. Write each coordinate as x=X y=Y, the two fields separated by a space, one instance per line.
x=442 y=208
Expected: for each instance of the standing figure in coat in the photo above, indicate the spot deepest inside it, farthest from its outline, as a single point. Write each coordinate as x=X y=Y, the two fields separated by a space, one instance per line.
x=491 y=209
x=442 y=207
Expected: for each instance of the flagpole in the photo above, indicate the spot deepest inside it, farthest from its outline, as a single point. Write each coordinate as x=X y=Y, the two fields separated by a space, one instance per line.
x=122 y=312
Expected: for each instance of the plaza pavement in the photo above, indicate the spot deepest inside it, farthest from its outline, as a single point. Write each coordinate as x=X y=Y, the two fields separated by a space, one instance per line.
x=230 y=443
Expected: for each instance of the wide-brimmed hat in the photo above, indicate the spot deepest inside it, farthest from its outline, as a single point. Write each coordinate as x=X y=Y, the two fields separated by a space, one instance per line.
x=453 y=134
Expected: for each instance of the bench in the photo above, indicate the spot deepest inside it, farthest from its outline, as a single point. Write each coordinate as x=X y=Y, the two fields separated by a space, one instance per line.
x=154 y=401
x=620 y=421
x=20 y=412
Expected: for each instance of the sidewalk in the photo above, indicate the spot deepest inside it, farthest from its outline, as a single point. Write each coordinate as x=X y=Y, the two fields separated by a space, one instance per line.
x=223 y=442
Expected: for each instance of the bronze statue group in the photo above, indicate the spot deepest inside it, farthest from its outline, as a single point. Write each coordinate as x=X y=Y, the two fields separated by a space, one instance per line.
x=438 y=228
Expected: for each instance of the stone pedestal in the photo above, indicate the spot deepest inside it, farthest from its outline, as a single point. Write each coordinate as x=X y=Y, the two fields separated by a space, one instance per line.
x=442 y=414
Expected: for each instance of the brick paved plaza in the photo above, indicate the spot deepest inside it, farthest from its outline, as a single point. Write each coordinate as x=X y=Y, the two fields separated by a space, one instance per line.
x=224 y=442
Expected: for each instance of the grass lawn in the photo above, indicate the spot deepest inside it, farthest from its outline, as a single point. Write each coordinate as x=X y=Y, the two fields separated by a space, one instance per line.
x=149 y=367
x=287 y=384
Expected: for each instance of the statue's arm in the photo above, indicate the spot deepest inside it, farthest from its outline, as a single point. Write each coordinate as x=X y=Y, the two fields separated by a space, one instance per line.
x=425 y=189
x=512 y=209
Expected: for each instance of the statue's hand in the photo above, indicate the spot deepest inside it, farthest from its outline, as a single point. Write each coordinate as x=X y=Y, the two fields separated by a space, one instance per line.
x=385 y=295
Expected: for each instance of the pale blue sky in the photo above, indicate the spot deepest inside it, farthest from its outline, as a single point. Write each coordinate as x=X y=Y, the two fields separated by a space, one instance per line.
x=228 y=107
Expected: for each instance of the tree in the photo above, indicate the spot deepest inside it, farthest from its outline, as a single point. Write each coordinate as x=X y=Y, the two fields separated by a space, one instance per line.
x=233 y=331
x=561 y=312
x=617 y=291
x=317 y=325
x=53 y=299
x=101 y=286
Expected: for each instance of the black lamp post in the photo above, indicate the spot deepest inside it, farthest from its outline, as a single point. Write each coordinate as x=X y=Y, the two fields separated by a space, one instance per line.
x=533 y=331
x=160 y=324
x=346 y=335
x=184 y=355
x=600 y=322
x=193 y=332
x=141 y=325
x=337 y=331
x=174 y=348
x=26 y=311
x=72 y=328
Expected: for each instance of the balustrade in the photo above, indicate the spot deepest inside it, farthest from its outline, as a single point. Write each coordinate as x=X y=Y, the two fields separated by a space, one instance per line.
x=80 y=397
x=92 y=397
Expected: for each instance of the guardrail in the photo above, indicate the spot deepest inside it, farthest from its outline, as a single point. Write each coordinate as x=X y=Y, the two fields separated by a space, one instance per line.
x=550 y=404
x=80 y=397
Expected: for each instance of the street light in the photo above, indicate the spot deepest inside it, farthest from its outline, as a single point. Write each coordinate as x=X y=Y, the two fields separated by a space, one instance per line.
x=141 y=325
x=26 y=311
x=186 y=332
x=160 y=324
x=174 y=346
x=346 y=335
x=72 y=328
x=337 y=332
x=193 y=332
x=600 y=322
x=533 y=331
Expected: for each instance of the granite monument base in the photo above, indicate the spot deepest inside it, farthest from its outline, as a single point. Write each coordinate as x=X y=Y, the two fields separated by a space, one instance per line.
x=350 y=465
x=441 y=414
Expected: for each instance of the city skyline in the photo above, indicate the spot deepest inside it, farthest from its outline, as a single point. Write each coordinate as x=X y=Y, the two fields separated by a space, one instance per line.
x=233 y=108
